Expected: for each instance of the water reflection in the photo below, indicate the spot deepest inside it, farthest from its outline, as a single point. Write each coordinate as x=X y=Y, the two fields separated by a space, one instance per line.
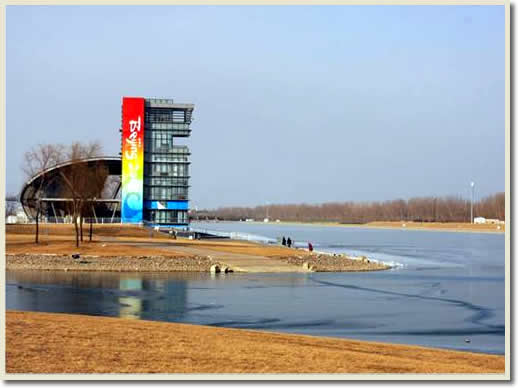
x=130 y=306
x=110 y=294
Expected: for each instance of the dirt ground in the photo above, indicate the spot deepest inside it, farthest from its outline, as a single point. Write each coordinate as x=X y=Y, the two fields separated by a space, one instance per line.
x=61 y=343
x=106 y=230
x=115 y=240
x=24 y=244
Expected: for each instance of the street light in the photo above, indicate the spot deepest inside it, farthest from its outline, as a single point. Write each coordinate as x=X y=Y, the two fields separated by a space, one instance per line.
x=472 y=195
x=468 y=340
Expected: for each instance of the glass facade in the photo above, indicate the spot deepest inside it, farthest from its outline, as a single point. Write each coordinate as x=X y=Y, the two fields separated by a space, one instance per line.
x=168 y=217
x=166 y=164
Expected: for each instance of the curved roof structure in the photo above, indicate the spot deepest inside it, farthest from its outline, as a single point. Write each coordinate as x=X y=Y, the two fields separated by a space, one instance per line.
x=47 y=186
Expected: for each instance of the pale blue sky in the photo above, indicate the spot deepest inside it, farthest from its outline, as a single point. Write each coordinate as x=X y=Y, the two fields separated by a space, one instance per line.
x=293 y=104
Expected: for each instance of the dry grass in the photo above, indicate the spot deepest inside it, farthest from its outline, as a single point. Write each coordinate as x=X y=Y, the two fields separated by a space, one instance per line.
x=17 y=243
x=60 y=238
x=106 y=230
x=59 y=343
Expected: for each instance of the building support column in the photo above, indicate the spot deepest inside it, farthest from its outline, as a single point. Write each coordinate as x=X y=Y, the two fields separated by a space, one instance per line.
x=93 y=210
x=114 y=210
x=54 y=211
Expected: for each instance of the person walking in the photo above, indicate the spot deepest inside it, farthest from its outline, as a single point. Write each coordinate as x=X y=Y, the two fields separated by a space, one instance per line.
x=283 y=240
x=289 y=242
x=310 y=247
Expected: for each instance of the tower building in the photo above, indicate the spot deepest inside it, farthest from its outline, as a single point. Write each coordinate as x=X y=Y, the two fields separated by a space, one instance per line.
x=155 y=169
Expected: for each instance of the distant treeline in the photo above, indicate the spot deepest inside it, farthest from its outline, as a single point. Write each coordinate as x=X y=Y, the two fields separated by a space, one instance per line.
x=423 y=209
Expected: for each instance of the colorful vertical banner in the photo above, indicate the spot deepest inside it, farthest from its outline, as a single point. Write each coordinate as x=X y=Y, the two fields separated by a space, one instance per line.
x=132 y=159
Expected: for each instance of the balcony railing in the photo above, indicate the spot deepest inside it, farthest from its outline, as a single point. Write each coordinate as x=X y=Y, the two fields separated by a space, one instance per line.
x=166 y=158
x=168 y=125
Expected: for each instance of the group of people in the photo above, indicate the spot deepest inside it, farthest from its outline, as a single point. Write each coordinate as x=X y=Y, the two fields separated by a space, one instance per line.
x=289 y=243
x=286 y=242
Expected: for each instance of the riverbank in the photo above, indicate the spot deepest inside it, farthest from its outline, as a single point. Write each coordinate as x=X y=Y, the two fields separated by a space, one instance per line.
x=57 y=262
x=62 y=343
x=318 y=262
x=436 y=226
x=126 y=248
x=463 y=227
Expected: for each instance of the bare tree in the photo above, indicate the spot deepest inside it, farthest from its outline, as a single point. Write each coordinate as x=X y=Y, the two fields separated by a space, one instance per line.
x=84 y=182
x=37 y=161
x=422 y=209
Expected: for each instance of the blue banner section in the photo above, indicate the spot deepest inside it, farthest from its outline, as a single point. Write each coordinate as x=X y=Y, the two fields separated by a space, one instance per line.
x=131 y=211
x=169 y=205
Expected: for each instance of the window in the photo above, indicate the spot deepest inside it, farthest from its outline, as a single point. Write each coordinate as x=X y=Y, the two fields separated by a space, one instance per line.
x=165 y=181
x=165 y=115
x=167 y=216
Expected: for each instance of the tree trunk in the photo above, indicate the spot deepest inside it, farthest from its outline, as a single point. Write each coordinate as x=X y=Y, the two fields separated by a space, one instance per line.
x=37 y=225
x=77 y=230
x=81 y=226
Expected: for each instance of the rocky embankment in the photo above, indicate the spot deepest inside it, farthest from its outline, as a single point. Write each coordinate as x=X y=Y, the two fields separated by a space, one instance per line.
x=334 y=263
x=51 y=262
x=58 y=262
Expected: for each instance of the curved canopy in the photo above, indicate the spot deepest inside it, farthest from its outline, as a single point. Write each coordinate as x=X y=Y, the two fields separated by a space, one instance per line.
x=47 y=186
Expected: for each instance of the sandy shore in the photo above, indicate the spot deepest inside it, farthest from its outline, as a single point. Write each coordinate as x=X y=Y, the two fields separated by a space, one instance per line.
x=463 y=227
x=61 y=343
x=318 y=262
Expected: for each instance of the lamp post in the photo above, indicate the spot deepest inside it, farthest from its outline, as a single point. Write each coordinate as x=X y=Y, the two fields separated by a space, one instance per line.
x=472 y=195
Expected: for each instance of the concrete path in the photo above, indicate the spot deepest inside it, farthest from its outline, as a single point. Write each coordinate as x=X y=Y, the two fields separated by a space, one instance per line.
x=236 y=261
x=242 y=263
